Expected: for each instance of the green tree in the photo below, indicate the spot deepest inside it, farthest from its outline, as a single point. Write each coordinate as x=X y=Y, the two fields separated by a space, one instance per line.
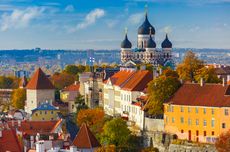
x=116 y=132
x=8 y=82
x=208 y=74
x=189 y=67
x=19 y=98
x=71 y=69
x=159 y=90
x=80 y=103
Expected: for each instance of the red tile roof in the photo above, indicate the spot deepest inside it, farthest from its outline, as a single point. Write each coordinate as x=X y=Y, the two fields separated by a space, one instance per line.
x=9 y=141
x=211 y=95
x=39 y=81
x=34 y=127
x=72 y=87
x=85 y=139
x=132 y=80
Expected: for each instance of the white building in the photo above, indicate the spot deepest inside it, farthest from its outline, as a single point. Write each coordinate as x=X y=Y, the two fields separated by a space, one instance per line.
x=38 y=90
x=146 y=51
x=121 y=92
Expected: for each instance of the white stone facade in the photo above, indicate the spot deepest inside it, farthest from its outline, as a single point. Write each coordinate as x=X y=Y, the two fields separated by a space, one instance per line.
x=35 y=97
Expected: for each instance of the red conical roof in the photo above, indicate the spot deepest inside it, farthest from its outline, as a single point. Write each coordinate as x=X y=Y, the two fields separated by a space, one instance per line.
x=39 y=81
x=85 y=138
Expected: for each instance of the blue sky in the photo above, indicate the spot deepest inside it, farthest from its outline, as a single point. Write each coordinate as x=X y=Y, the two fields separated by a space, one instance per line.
x=100 y=24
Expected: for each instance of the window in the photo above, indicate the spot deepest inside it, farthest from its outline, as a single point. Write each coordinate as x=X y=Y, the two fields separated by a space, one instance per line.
x=36 y=114
x=182 y=131
x=51 y=112
x=52 y=119
x=213 y=111
x=171 y=108
x=181 y=109
x=72 y=106
x=205 y=123
x=45 y=112
x=31 y=101
x=166 y=119
x=181 y=120
x=189 y=109
x=197 y=122
x=197 y=133
x=205 y=134
x=213 y=123
x=197 y=110
x=223 y=125
x=40 y=112
x=43 y=118
x=213 y=133
x=204 y=110
x=226 y=112
x=173 y=120
x=189 y=121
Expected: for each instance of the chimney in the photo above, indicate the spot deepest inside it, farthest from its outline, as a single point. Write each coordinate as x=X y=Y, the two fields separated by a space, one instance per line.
x=73 y=149
x=0 y=133
x=201 y=82
x=19 y=123
x=75 y=82
x=181 y=81
x=223 y=82
x=40 y=147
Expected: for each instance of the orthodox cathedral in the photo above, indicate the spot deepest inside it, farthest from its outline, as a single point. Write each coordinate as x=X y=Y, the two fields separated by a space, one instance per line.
x=146 y=51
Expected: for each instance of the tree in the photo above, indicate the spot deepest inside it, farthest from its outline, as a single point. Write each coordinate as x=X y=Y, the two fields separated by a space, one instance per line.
x=159 y=90
x=94 y=118
x=8 y=82
x=170 y=73
x=208 y=74
x=223 y=142
x=71 y=69
x=116 y=132
x=61 y=80
x=80 y=103
x=189 y=67
x=19 y=98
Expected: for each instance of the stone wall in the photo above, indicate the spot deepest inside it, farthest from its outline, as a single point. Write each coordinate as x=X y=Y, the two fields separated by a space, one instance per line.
x=191 y=148
x=153 y=124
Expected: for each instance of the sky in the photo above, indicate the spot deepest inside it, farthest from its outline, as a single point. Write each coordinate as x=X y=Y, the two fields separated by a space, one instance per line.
x=100 y=24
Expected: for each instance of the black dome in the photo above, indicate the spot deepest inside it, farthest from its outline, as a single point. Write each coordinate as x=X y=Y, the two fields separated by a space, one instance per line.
x=151 y=43
x=166 y=43
x=144 y=28
x=126 y=43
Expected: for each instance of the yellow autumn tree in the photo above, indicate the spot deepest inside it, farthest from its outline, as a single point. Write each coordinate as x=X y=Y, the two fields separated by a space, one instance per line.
x=18 y=98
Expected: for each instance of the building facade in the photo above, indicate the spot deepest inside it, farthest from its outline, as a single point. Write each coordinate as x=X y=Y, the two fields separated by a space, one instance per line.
x=198 y=112
x=147 y=51
x=38 y=90
x=45 y=112
x=121 y=92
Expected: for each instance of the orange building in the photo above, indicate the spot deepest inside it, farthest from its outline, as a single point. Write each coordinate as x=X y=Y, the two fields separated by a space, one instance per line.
x=198 y=112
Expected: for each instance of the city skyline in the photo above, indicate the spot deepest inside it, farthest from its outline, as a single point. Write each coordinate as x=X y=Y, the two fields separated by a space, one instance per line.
x=76 y=24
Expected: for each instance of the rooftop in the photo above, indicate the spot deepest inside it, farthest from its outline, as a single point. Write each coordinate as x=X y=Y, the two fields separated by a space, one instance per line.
x=39 y=81
x=210 y=95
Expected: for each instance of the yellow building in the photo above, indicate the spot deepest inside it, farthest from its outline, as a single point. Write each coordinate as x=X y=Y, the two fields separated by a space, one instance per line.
x=45 y=112
x=198 y=112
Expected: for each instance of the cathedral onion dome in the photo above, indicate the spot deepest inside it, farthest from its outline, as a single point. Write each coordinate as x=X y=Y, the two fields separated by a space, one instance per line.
x=144 y=28
x=151 y=43
x=126 y=43
x=166 y=43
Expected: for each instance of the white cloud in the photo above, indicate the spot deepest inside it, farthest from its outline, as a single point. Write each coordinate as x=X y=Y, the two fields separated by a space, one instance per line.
x=19 y=18
x=135 y=18
x=90 y=19
x=112 y=23
x=69 y=8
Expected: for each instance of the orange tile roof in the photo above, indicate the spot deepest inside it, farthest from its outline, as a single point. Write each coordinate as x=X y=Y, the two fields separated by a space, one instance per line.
x=34 y=127
x=72 y=87
x=132 y=80
x=39 y=81
x=85 y=138
x=211 y=95
x=9 y=141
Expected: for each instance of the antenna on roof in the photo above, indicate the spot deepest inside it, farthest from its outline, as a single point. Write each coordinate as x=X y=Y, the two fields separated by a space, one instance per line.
x=146 y=10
